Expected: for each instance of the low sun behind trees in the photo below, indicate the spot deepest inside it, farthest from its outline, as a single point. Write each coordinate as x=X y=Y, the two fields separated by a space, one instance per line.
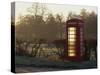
x=40 y=24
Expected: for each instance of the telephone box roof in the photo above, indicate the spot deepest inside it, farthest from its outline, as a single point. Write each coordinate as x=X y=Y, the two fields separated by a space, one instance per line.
x=75 y=21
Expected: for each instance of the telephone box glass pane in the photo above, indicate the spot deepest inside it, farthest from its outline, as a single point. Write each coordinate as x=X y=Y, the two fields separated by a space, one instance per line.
x=71 y=41
x=71 y=36
x=71 y=54
x=71 y=51
x=71 y=30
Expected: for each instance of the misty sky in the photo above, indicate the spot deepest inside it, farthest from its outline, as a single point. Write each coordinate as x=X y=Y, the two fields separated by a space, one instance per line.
x=21 y=8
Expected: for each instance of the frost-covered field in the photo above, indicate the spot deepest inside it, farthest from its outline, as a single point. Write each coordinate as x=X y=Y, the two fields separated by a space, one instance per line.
x=30 y=64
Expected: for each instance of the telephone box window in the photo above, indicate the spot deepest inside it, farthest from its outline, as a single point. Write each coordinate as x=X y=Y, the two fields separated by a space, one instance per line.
x=71 y=41
x=74 y=40
x=71 y=54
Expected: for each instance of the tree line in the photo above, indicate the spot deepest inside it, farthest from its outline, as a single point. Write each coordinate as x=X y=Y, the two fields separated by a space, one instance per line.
x=42 y=25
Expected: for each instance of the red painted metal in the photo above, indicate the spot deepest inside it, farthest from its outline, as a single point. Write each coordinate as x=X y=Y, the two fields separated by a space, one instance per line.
x=79 y=24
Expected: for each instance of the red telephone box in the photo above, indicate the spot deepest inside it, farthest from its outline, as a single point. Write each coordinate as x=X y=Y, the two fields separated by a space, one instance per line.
x=74 y=40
